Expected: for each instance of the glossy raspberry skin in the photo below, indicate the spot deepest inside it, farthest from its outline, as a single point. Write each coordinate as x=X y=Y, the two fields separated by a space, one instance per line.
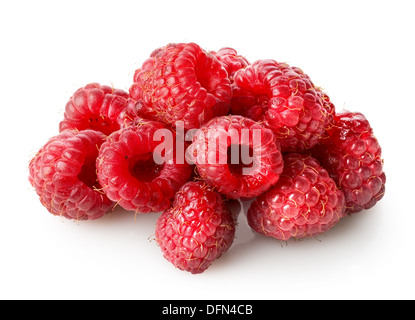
x=63 y=175
x=228 y=178
x=284 y=99
x=181 y=82
x=95 y=107
x=304 y=203
x=130 y=176
x=197 y=230
x=353 y=157
x=230 y=60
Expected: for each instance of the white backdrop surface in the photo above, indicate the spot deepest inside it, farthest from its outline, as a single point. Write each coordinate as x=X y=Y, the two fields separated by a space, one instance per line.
x=360 y=52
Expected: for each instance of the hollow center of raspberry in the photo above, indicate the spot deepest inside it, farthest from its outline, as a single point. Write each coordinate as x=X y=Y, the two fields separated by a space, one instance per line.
x=239 y=157
x=88 y=174
x=143 y=168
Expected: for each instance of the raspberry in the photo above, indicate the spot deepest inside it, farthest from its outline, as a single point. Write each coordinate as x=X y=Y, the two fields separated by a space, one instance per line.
x=181 y=82
x=230 y=60
x=353 y=157
x=130 y=176
x=284 y=99
x=215 y=149
x=304 y=202
x=95 y=107
x=197 y=229
x=63 y=175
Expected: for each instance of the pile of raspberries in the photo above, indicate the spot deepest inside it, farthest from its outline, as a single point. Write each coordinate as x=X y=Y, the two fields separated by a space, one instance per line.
x=199 y=129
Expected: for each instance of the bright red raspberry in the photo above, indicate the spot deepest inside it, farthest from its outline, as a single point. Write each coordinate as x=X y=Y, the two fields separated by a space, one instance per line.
x=181 y=82
x=95 y=107
x=231 y=61
x=284 y=99
x=353 y=157
x=197 y=229
x=237 y=156
x=304 y=202
x=131 y=176
x=63 y=175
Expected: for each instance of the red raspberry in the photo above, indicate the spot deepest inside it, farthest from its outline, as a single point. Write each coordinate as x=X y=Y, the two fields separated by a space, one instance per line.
x=94 y=107
x=130 y=176
x=234 y=176
x=284 y=99
x=181 y=82
x=230 y=60
x=304 y=202
x=197 y=229
x=353 y=157
x=63 y=175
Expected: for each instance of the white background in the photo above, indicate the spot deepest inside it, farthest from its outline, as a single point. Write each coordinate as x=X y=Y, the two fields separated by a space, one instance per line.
x=360 y=52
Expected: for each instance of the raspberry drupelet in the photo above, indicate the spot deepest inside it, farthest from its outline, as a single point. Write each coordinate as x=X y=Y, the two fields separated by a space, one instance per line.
x=129 y=174
x=197 y=230
x=181 y=82
x=95 y=107
x=63 y=175
x=353 y=157
x=304 y=203
x=284 y=99
x=130 y=115
x=230 y=60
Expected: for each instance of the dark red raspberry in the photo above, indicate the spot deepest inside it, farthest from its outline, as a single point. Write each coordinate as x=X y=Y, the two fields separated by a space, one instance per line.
x=284 y=99
x=181 y=82
x=304 y=202
x=197 y=229
x=129 y=174
x=256 y=163
x=63 y=175
x=353 y=157
x=95 y=107
x=231 y=61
